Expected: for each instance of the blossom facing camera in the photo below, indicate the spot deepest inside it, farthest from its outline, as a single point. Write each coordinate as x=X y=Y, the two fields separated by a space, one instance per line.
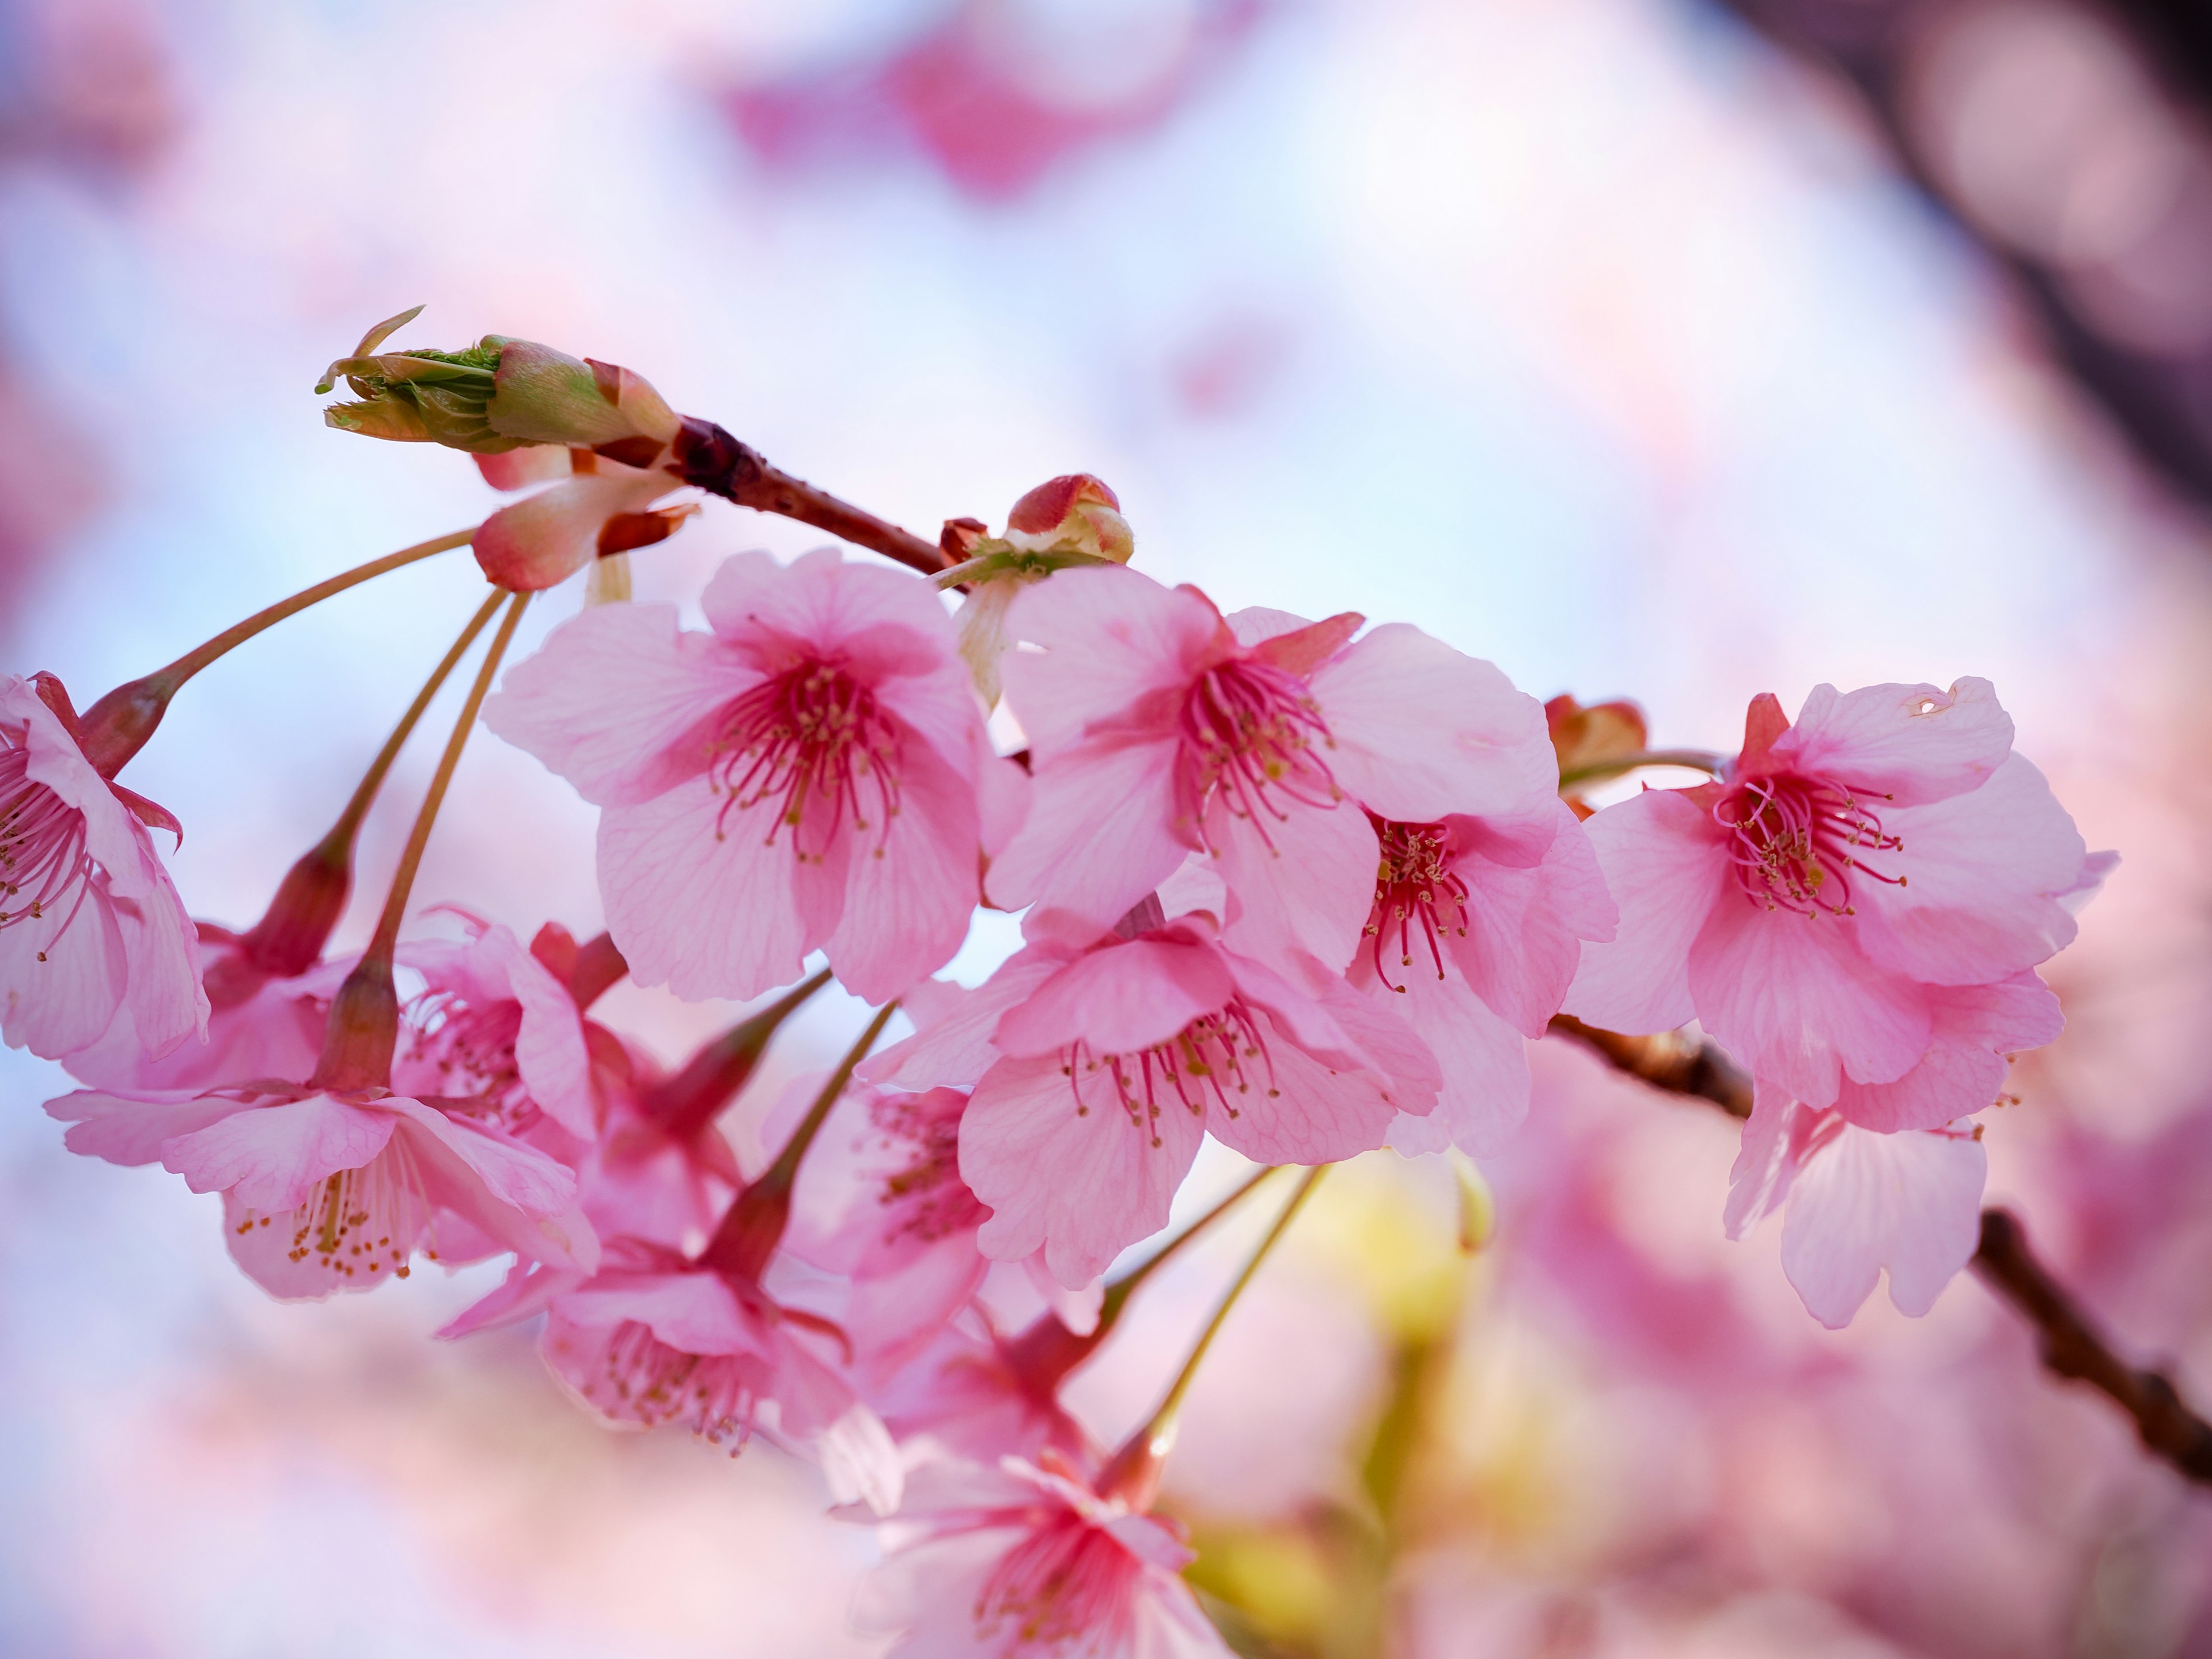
x=1157 y=728
x=1820 y=906
x=93 y=934
x=497 y=395
x=813 y=774
x=1019 y=1561
x=1100 y=1060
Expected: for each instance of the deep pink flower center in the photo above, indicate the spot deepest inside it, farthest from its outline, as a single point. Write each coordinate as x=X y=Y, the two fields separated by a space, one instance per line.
x=359 y=1224
x=1218 y=1057
x=1066 y=1582
x=44 y=865
x=810 y=743
x=1798 y=843
x=1252 y=731
x=643 y=1380
x=927 y=1199
x=1414 y=888
x=471 y=1052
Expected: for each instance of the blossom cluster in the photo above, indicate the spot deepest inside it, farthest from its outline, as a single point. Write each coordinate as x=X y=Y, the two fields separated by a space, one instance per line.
x=1308 y=887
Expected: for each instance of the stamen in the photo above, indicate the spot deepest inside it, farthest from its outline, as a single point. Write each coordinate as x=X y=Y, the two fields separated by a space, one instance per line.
x=471 y=1050
x=934 y=1202
x=1213 y=1053
x=810 y=739
x=1066 y=1581
x=1249 y=730
x=644 y=1381
x=1414 y=883
x=44 y=861
x=360 y=1225
x=1796 y=842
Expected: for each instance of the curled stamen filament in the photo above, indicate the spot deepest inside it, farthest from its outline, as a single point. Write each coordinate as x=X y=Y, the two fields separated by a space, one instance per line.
x=648 y=1382
x=1251 y=730
x=1414 y=884
x=1212 y=1056
x=44 y=857
x=1795 y=842
x=810 y=738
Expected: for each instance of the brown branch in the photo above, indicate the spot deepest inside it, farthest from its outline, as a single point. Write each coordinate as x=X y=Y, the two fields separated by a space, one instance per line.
x=2071 y=1346
x=710 y=457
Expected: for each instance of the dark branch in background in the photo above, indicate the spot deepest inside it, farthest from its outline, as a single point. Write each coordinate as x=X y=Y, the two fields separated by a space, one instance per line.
x=2158 y=390
x=2071 y=1346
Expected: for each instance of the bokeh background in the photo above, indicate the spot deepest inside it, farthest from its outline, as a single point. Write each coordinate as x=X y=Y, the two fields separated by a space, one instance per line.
x=1647 y=347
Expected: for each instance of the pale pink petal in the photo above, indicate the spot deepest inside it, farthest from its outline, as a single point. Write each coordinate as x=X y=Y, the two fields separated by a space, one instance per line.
x=1525 y=925
x=1097 y=837
x=617 y=701
x=1766 y=1162
x=820 y=601
x=1298 y=1109
x=1482 y=1062
x=1666 y=864
x=1256 y=622
x=63 y=976
x=549 y=1050
x=1118 y=999
x=516 y=1194
x=1792 y=999
x=1079 y=1177
x=1002 y=794
x=1118 y=647
x=1303 y=882
x=912 y=884
x=272 y=1156
x=705 y=907
x=543 y=540
x=1420 y=730
x=1908 y=744
x=1985 y=872
x=518 y=469
x=1951 y=1080
x=693 y=1311
x=132 y=1132
x=952 y=1044
x=1910 y=1202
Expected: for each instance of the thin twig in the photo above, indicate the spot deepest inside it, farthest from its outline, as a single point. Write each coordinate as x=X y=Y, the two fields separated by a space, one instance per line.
x=710 y=457
x=2071 y=1346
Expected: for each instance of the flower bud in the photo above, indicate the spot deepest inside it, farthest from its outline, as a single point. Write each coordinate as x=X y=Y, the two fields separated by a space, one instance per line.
x=1075 y=512
x=499 y=394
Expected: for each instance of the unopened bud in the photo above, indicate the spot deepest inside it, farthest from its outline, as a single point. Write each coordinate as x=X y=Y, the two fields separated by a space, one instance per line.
x=1076 y=512
x=1074 y=519
x=497 y=395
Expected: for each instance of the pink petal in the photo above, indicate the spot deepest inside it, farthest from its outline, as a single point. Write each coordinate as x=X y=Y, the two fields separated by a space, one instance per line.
x=1482 y=1064
x=1098 y=836
x=1985 y=870
x=1766 y=1162
x=1118 y=646
x=1118 y=999
x=272 y=1156
x=1421 y=730
x=549 y=1050
x=1792 y=998
x=1304 y=882
x=1300 y=1110
x=884 y=622
x=617 y=701
x=1911 y=1203
x=693 y=1311
x=912 y=885
x=131 y=1132
x=1949 y=1081
x=1909 y=745
x=1525 y=927
x=1080 y=1179
x=1663 y=859
x=708 y=912
x=952 y=1045
x=63 y=976
x=543 y=540
x=518 y=469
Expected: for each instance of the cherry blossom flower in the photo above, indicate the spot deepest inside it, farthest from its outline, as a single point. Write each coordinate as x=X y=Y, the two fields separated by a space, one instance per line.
x=1099 y=1061
x=655 y=1337
x=92 y=932
x=1157 y=728
x=325 y=1192
x=493 y=1036
x=1855 y=1202
x=593 y=508
x=1812 y=907
x=1019 y=1559
x=1475 y=934
x=812 y=774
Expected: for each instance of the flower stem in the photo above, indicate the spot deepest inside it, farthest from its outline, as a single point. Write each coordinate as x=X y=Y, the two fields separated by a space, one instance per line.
x=118 y=725
x=291 y=935
x=1135 y=1473
x=1118 y=1290
x=364 y=1018
x=1696 y=760
x=690 y=1100
x=754 y=1225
